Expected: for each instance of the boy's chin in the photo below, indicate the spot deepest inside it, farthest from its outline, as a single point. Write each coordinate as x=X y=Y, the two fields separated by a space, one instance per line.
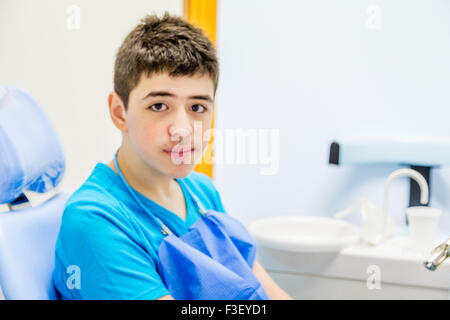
x=181 y=171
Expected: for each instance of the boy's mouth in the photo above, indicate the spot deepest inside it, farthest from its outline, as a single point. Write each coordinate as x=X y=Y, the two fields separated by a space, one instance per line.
x=178 y=151
x=180 y=155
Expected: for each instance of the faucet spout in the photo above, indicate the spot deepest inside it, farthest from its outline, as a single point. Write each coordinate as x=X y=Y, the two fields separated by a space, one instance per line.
x=424 y=192
x=439 y=255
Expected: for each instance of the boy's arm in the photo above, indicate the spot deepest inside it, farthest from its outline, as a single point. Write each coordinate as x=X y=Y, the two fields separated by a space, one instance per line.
x=167 y=297
x=272 y=289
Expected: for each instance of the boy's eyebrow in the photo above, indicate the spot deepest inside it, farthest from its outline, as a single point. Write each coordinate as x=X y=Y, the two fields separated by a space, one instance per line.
x=168 y=94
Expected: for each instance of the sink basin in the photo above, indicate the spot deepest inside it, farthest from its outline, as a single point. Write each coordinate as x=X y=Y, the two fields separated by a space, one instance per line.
x=304 y=233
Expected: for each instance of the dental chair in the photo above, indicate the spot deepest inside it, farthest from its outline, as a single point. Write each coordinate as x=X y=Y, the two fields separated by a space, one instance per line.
x=31 y=162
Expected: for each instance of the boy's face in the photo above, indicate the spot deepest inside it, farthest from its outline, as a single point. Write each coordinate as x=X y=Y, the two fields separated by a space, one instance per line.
x=166 y=121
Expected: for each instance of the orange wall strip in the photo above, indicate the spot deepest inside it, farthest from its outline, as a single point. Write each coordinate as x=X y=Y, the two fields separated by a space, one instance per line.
x=203 y=13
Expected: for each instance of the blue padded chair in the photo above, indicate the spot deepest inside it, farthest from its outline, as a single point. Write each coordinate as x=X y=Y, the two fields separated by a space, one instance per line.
x=31 y=159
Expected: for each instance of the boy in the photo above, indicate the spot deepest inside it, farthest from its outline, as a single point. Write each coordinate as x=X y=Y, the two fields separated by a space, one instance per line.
x=109 y=245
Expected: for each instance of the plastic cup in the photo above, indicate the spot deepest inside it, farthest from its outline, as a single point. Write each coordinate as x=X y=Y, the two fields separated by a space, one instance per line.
x=423 y=226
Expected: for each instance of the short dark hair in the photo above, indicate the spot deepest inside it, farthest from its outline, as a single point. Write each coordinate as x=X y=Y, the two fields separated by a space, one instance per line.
x=167 y=44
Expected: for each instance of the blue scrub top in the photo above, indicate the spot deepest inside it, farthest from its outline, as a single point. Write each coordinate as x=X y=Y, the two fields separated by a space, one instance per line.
x=107 y=247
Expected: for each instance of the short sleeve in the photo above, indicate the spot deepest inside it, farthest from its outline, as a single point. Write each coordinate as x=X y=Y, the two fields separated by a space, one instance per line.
x=111 y=264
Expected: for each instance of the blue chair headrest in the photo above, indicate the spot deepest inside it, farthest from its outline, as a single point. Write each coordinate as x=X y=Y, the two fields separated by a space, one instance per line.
x=31 y=156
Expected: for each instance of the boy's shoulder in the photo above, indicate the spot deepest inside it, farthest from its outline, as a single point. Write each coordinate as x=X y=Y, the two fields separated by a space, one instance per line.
x=95 y=188
x=93 y=199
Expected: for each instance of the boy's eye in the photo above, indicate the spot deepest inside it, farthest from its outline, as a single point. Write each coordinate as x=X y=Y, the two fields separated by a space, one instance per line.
x=198 y=108
x=158 y=107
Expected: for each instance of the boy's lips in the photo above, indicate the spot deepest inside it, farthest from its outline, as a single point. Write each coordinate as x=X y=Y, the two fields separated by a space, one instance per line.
x=180 y=154
x=178 y=150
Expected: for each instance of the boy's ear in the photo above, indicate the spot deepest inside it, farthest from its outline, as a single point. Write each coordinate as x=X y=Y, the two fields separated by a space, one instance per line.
x=117 y=111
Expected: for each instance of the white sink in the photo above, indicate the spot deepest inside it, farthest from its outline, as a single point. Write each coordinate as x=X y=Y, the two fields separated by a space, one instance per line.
x=322 y=258
x=304 y=233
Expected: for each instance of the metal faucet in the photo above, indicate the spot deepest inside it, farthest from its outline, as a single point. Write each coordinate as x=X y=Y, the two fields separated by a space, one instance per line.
x=413 y=174
x=438 y=255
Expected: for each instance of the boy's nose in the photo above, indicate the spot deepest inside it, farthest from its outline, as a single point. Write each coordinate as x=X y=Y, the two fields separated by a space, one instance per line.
x=181 y=127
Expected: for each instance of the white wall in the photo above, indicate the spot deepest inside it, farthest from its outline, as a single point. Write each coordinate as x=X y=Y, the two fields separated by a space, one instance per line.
x=318 y=70
x=69 y=70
